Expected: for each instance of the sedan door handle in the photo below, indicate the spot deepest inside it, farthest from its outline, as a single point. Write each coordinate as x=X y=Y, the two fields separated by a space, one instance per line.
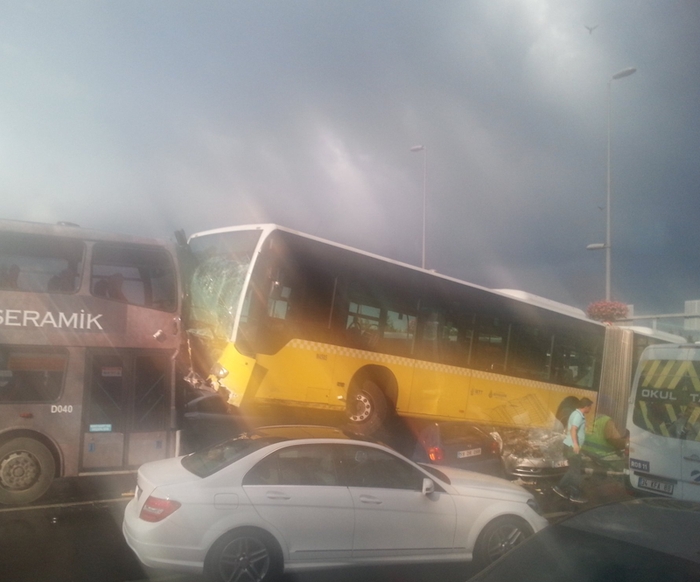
x=370 y=499
x=277 y=495
x=694 y=458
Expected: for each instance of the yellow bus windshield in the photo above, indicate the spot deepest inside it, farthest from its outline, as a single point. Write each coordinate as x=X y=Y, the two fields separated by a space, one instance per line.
x=222 y=263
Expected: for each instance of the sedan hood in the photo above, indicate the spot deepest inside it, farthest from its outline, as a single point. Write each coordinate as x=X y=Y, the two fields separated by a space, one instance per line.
x=478 y=484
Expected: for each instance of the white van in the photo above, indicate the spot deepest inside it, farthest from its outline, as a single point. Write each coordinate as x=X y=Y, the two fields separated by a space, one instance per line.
x=664 y=422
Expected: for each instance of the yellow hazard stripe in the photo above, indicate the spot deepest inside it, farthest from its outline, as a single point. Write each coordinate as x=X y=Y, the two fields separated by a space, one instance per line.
x=671 y=411
x=687 y=368
x=645 y=414
x=667 y=371
x=649 y=371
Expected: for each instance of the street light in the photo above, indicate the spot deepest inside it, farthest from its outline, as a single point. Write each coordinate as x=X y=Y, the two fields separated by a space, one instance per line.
x=422 y=148
x=608 y=243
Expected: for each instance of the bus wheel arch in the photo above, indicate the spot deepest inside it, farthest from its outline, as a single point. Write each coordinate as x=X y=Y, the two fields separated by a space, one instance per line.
x=371 y=399
x=28 y=465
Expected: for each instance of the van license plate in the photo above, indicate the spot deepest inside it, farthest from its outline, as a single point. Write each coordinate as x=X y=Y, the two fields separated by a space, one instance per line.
x=469 y=453
x=654 y=485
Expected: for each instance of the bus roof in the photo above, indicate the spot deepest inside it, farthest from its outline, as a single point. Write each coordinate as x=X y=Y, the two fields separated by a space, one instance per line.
x=520 y=296
x=655 y=333
x=70 y=230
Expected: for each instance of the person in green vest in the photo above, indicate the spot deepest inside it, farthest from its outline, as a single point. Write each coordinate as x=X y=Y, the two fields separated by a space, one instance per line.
x=605 y=439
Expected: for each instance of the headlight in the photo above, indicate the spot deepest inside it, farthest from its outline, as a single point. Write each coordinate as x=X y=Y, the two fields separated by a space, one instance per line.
x=219 y=371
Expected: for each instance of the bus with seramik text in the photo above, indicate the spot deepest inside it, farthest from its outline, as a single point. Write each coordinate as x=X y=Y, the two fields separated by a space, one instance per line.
x=281 y=318
x=89 y=333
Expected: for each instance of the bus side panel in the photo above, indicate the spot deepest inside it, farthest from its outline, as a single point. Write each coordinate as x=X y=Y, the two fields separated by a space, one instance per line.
x=497 y=399
x=239 y=372
x=439 y=390
x=301 y=373
x=58 y=420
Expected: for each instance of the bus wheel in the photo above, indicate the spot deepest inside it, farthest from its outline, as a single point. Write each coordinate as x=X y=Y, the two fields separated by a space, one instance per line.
x=366 y=408
x=26 y=471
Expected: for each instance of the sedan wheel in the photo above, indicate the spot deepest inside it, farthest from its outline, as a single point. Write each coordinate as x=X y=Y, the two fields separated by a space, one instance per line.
x=499 y=537
x=243 y=556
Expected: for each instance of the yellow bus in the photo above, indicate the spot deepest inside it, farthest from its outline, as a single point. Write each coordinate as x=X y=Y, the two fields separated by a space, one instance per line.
x=277 y=317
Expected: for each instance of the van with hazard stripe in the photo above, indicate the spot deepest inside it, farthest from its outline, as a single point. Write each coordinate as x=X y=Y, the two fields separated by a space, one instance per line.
x=664 y=422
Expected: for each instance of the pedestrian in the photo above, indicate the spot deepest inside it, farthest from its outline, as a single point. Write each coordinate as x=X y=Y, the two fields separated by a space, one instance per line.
x=570 y=485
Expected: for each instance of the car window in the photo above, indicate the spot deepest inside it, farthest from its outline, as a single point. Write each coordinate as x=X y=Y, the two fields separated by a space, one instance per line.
x=369 y=467
x=212 y=459
x=297 y=465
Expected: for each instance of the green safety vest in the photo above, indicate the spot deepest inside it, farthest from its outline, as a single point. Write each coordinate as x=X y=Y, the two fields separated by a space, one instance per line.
x=596 y=443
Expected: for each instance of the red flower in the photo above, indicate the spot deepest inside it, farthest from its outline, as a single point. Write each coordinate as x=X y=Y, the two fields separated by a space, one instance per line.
x=607 y=310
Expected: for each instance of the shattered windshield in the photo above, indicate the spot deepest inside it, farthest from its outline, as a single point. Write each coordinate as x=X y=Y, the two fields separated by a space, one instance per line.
x=222 y=261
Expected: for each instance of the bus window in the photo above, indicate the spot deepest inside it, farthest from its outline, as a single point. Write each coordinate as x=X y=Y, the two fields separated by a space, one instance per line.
x=444 y=337
x=530 y=353
x=278 y=300
x=136 y=275
x=30 y=374
x=40 y=264
x=575 y=362
x=398 y=332
x=491 y=342
x=363 y=324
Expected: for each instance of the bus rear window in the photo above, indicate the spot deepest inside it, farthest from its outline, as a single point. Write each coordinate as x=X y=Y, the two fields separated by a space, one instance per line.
x=28 y=375
x=667 y=400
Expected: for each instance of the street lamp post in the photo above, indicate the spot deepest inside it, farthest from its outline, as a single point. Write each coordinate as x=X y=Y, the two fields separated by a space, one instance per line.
x=608 y=237
x=422 y=148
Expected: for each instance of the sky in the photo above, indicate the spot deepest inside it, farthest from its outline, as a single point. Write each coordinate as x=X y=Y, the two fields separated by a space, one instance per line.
x=145 y=117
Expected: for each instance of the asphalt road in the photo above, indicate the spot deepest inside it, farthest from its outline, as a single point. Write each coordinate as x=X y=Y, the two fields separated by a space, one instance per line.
x=74 y=535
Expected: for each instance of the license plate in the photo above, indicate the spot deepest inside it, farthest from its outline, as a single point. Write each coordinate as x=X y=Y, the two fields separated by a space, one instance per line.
x=557 y=464
x=654 y=485
x=469 y=453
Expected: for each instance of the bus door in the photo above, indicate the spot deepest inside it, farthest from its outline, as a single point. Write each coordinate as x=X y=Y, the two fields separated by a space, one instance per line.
x=126 y=409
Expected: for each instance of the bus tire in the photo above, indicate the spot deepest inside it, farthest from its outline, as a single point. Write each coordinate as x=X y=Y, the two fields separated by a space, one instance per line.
x=27 y=470
x=367 y=408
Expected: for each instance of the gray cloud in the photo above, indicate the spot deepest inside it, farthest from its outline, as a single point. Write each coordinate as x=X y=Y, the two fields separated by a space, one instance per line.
x=147 y=117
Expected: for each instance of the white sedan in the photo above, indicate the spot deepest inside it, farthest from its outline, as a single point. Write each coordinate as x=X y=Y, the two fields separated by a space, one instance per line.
x=300 y=497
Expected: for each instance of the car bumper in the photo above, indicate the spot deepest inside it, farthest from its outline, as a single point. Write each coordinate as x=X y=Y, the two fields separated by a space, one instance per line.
x=141 y=537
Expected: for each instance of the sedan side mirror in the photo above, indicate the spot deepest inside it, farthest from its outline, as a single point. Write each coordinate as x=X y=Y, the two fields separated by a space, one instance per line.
x=428 y=486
